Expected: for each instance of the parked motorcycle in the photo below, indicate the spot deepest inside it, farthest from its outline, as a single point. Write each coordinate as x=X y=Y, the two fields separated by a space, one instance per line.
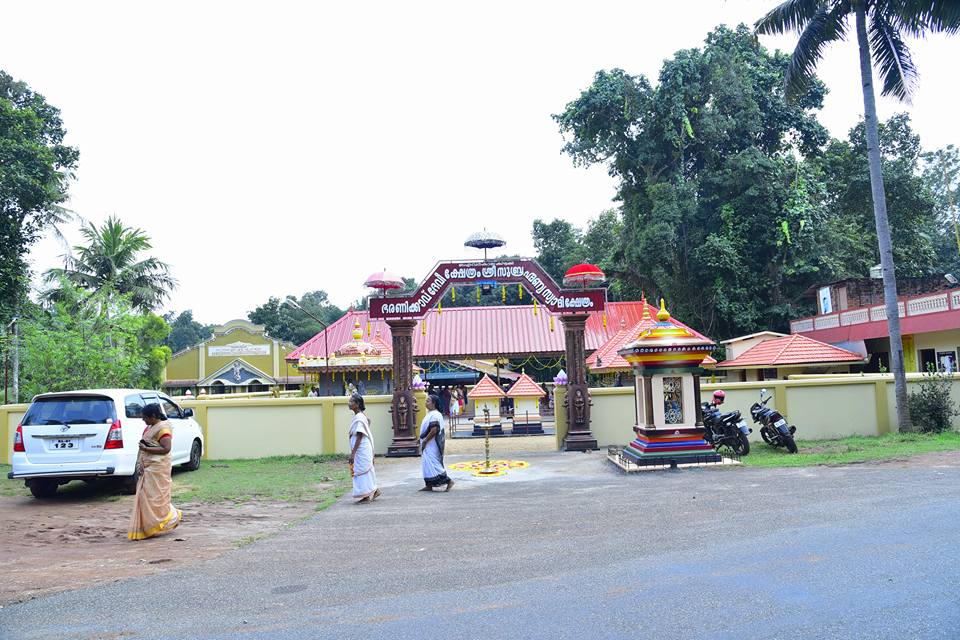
x=773 y=427
x=725 y=429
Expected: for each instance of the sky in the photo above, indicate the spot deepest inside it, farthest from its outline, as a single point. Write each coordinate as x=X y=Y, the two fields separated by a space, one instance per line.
x=277 y=148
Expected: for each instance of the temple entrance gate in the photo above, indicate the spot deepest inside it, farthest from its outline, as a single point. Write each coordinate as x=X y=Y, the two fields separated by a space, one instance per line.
x=571 y=305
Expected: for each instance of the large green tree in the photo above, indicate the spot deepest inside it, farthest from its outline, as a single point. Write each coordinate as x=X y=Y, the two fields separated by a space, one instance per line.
x=881 y=27
x=112 y=263
x=717 y=213
x=35 y=170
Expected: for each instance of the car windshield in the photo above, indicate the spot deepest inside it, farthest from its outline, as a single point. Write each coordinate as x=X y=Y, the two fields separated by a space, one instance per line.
x=70 y=410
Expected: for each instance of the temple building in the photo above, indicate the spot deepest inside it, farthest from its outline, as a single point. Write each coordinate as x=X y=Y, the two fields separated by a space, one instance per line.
x=239 y=357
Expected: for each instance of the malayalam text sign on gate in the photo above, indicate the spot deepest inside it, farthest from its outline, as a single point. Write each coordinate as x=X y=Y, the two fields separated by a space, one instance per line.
x=525 y=272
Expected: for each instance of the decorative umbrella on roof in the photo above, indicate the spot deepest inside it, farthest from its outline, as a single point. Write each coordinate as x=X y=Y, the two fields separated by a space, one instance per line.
x=581 y=275
x=484 y=240
x=384 y=280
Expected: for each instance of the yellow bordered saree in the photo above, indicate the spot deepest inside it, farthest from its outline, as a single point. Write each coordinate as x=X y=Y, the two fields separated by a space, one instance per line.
x=152 y=512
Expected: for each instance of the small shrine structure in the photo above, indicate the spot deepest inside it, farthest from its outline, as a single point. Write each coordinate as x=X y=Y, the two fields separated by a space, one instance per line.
x=666 y=360
x=366 y=364
x=486 y=398
x=526 y=395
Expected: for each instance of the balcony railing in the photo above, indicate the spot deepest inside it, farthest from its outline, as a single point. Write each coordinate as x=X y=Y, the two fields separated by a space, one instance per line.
x=915 y=306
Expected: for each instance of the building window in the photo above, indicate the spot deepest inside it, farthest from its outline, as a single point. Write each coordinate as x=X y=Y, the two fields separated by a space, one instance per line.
x=768 y=374
x=947 y=361
x=673 y=400
x=927 y=359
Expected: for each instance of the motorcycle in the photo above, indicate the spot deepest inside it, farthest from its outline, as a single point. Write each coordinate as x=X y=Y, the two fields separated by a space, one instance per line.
x=773 y=427
x=725 y=429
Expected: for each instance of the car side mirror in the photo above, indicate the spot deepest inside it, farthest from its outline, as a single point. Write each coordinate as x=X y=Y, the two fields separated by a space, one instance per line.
x=188 y=413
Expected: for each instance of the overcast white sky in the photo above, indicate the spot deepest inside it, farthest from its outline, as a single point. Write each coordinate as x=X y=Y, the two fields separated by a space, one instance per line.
x=273 y=148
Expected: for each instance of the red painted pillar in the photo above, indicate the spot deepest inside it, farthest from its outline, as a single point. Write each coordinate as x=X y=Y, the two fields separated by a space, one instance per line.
x=579 y=437
x=403 y=408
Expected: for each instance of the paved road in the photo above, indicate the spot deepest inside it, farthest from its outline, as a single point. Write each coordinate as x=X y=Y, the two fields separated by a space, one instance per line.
x=571 y=548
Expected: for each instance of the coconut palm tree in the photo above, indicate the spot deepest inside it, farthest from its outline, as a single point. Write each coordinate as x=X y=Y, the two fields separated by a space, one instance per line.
x=880 y=27
x=110 y=263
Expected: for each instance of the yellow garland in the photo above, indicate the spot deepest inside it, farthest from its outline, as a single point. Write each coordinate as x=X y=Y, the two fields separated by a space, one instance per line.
x=453 y=294
x=423 y=326
x=368 y=328
x=368 y=375
x=503 y=293
x=551 y=323
x=478 y=294
x=604 y=319
x=535 y=310
x=440 y=307
x=381 y=374
x=520 y=291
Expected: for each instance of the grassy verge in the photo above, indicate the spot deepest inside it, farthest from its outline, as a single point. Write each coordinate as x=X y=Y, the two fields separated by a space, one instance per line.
x=849 y=450
x=320 y=480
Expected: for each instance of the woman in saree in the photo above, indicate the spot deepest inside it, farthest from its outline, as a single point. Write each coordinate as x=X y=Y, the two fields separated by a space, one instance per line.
x=361 y=453
x=432 y=437
x=152 y=512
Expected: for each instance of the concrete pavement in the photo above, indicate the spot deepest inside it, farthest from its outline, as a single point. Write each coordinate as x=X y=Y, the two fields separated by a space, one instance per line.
x=570 y=548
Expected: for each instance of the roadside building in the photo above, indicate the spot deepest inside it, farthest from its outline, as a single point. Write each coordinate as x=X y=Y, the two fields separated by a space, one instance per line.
x=239 y=357
x=851 y=314
x=776 y=357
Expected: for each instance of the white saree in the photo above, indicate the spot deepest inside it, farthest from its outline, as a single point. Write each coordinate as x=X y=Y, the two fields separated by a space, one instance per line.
x=431 y=458
x=364 y=475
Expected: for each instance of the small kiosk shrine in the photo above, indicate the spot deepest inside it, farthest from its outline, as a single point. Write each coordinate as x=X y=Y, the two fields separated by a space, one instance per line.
x=526 y=394
x=666 y=361
x=486 y=402
x=365 y=364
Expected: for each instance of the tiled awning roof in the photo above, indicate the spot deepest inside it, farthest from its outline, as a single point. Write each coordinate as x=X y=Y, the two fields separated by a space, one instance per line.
x=791 y=350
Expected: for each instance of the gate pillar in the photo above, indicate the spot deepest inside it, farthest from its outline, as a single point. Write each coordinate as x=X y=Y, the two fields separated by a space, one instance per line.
x=403 y=408
x=578 y=403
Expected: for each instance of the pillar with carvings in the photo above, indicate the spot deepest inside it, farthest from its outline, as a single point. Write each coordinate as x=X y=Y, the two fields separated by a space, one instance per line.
x=579 y=437
x=403 y=408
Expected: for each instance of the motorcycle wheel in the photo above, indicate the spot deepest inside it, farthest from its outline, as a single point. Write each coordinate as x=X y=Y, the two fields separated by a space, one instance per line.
x=791 y=444
x=766 y=437
x=741 y=446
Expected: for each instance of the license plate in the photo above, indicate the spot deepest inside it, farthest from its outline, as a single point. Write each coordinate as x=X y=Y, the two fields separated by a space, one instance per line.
x=66 y=443
x=780 y=423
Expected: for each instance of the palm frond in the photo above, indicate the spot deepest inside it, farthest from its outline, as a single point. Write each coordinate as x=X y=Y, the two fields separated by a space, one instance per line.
x=894 y=61
x=919 y=17
x=825 y=27
x=792 y=15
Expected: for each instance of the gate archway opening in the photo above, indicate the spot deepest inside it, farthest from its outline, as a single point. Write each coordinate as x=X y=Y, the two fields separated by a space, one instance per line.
x=572 y=306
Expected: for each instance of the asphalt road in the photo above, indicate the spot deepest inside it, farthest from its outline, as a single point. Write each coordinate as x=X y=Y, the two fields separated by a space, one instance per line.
x=570 y=548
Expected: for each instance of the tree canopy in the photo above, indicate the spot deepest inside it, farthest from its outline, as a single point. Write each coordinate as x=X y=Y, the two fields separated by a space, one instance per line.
x=185 y=331
x=288 y=323
x=35 y=170
x=734 y=201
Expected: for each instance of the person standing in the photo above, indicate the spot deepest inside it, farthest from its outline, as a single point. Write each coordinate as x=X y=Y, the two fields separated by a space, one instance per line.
x=361 y=453
x=153 y=513
x=432 y=437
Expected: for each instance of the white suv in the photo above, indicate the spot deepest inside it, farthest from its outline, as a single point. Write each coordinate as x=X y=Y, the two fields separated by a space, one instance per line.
x=82 y=435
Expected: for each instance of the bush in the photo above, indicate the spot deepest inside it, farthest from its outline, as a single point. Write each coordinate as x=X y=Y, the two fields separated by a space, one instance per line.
x=931 y=408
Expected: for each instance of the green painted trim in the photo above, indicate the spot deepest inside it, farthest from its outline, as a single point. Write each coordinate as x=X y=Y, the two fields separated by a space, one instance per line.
x=328 y=427
x=883 y=410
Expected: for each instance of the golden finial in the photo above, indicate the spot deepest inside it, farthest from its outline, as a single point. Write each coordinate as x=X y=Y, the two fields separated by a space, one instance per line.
x=663 y=315
x=357 y=331
x=646 y=307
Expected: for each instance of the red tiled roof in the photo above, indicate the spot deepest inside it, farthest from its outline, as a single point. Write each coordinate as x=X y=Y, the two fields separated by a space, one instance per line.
x=486 y=388
x=525 y=387
x=607 y=354
x=477 y=332
x=795 y=349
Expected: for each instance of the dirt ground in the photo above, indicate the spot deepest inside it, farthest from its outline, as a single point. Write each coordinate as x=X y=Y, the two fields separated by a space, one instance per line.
x=54 y=545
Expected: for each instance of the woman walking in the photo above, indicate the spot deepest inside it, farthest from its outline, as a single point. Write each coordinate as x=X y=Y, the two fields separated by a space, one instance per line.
x=432 y=437
x=361 y=453
x=152 y=512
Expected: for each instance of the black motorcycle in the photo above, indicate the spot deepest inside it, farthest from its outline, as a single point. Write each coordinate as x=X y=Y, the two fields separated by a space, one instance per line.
x=725 y=429
x=773 y=428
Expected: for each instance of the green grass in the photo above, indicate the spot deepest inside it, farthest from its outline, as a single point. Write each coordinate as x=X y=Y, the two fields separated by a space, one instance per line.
x=318 y=479
x=851 y=450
